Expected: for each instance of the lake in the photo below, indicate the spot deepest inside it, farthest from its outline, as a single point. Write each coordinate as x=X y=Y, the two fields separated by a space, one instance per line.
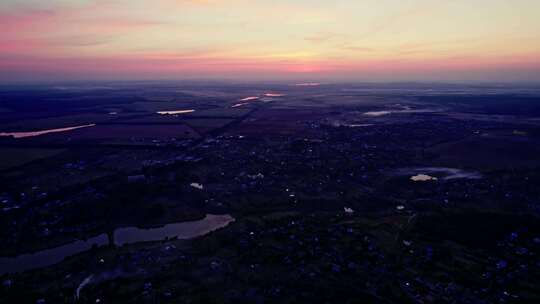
x=43 y=132
x=122 y=236
x=175 y=112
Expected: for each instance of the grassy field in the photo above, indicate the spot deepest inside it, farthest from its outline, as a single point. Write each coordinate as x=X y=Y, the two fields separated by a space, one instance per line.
x=220 y=112
x=201 y=125
x=489 y=152
x=14 y=157
x=155 y=106
x=56 y=122
x=205 y=125
x=133 y=133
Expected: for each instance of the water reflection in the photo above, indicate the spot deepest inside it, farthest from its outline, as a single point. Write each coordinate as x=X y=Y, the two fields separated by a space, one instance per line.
x=405 y=110
x=121 y=236
x=239 y=105
x=184 y=230
x=377 y=113
x=423 y=178
x=438 y=173
x=308 y=84
x=49 y=256
x=42 y=132
x=249 y=98
x=176 y=112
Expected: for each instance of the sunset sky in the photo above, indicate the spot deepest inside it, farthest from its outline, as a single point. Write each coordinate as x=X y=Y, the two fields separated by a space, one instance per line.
x=339 y=40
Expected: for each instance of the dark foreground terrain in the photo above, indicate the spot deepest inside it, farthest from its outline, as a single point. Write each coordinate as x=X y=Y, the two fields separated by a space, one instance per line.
x=214 y=193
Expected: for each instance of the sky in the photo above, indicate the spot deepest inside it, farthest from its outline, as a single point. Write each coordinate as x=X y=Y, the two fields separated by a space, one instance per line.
x=301 y=40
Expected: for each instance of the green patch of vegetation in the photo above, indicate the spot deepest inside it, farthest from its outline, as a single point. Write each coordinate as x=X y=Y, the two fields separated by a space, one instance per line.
x=154 y=106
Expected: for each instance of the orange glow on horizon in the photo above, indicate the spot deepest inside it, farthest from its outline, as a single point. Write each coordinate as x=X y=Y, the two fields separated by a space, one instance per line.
x=389 y=40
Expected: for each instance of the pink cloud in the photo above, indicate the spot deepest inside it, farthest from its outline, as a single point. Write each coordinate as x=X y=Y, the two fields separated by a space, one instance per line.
x=44 y=41
x=24 y=21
